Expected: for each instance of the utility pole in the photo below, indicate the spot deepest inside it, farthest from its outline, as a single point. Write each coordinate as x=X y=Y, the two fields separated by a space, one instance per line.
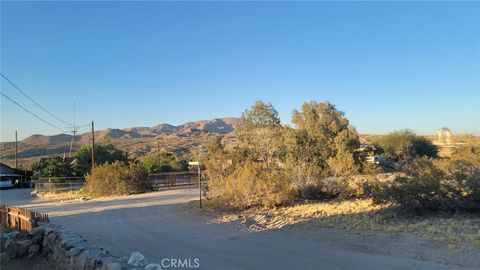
x=158 y=149
x=16 y=150
x=93 y=145
x=72 y=143
x=200 y=184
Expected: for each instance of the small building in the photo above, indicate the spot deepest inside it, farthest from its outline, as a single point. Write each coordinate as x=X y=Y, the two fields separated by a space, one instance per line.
x=444 y=136
x=10 y=177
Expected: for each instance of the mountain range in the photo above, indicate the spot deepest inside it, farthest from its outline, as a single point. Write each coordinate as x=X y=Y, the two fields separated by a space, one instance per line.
x=137 y=141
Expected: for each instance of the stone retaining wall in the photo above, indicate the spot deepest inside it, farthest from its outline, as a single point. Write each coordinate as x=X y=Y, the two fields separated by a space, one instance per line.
x=67 y=250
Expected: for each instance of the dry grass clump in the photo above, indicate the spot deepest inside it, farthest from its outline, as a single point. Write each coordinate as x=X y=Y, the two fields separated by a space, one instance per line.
x=75 y=195
x=354 y=214
x=363 y=214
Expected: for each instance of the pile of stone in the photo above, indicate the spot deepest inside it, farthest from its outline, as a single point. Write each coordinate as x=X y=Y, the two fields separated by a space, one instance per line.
x=66 y=249
x=19 y=243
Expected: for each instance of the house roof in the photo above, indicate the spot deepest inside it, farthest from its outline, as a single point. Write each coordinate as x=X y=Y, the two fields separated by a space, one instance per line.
x=6 y=170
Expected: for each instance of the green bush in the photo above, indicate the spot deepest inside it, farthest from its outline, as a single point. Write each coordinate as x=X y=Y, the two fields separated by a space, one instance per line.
x=406 y=145
x=164 y=162
x=51 y=167
x=116 y=178
x=104 y=153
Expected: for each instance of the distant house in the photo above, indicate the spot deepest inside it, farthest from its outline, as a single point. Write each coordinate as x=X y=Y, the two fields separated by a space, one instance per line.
x=10 y=176
x=377 y=159
x=381 y=160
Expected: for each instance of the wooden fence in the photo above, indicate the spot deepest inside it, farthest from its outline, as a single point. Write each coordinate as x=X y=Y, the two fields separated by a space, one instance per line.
x=20 y=219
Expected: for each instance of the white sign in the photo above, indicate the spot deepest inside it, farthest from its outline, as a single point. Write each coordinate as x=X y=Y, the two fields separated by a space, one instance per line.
x=194 y=163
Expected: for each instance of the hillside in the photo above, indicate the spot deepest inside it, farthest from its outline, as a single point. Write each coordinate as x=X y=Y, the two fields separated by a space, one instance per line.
x=137 y=141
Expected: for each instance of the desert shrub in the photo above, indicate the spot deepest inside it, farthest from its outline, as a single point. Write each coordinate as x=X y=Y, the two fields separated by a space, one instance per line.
x=116 y=178
x=372 y=169
x=249 y=173
x=219 y=165
x=354 y=186
x=251 y=185
x=418 y=188
x=462 y=177
x=426 y=184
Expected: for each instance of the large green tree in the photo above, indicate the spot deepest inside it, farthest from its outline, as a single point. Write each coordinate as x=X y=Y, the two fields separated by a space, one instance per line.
x=164 y=162
x=51 y=167
x=259 y=132
x=104 y=153
x=406 y=145
x=322 y=142
x=248 y=173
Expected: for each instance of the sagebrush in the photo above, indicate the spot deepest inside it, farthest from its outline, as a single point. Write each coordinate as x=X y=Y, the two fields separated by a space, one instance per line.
x=116 y=178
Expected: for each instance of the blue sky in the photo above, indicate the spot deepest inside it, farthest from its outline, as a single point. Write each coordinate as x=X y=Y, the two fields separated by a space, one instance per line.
x=388 y=66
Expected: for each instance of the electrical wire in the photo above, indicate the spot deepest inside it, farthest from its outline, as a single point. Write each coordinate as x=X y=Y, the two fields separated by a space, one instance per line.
x=36 y=116
x=32 y=100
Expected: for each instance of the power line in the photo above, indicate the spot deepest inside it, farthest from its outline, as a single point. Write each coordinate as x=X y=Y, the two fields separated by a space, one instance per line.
x=77 y=127
x=36 y=116
x=31 y=99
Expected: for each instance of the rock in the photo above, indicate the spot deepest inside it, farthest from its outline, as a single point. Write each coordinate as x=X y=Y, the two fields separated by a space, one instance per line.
x=124 y=259
x=12 y=250
x=22 y=250
x=34 y=248
x=74 y=252
x=48 y=231
x=136 y=259
x=105 y=252
x=3 y=243
x=9 y=241
x=25 y=242
x=37 y=239
x=21 y=235
x=153 y=266
x=4 y=257
x=12 y=234
x=90 y=259
x=36 y=231
x=112 y=266
x=83 y=259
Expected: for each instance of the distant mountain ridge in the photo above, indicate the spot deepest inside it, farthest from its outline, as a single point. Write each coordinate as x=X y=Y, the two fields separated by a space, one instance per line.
x=218 y=125
x=137 y=141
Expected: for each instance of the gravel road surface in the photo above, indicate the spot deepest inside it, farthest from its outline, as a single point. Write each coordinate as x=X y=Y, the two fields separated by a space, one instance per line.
x=155 y=224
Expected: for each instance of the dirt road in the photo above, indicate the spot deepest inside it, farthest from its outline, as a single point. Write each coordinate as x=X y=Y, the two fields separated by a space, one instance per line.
x=155 y=225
